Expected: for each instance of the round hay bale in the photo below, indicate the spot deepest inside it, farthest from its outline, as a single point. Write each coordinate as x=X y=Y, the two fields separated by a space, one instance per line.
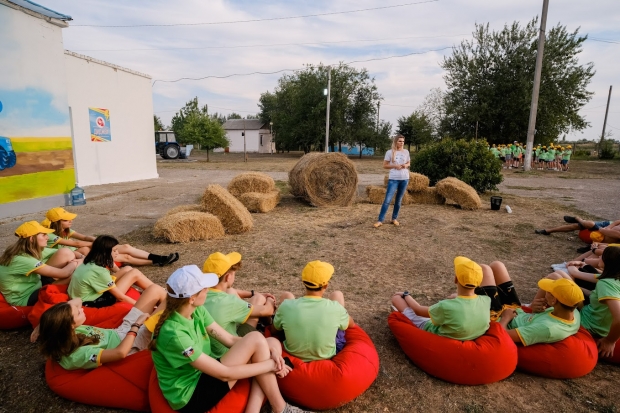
x=251 y=182
x=234 y=216
x=428 y=196
x=184 y=208
x=324 y=179
x=258 y=202
x=188 y=226
x=376 y=195
x=458 y=191
x=417 y=182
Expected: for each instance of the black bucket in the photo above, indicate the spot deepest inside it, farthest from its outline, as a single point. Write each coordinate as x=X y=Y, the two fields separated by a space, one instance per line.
x=496 y=202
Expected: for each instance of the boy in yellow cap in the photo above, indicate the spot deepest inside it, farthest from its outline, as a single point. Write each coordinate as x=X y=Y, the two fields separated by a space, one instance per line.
x=559 y=320
x=314 y=326
x=464 y=317
x=566 y=154
x=27 y=265
x=226 y=304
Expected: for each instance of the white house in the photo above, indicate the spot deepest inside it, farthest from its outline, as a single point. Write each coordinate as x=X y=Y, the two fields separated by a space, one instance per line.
x=64 y=118
x=257 y=136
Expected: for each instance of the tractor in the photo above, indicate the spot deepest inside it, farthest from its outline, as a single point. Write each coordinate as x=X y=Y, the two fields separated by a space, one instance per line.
x=166 y=145
x=7 y=154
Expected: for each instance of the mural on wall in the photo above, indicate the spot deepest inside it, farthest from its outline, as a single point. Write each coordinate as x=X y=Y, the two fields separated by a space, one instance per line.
x=99 y=120
x=36 y=156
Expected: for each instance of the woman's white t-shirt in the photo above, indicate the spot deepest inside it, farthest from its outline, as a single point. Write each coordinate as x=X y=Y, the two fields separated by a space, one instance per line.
x=401 y=158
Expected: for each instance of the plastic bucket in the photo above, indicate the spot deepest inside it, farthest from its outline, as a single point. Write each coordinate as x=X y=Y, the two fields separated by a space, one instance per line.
x=496 y=202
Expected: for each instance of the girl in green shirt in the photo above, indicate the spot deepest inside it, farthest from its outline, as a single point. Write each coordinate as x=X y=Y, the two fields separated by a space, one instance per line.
x=27 y=265
x=192 y=380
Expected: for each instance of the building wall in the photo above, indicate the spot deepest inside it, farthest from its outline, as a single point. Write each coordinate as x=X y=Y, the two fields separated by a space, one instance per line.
x=34 y=114
x=253 y=141
x=130 y=153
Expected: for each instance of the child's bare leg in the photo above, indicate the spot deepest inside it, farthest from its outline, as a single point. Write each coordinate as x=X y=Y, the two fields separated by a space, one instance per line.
x=337 y=296
x=487 y=276
x=61 y=258
x=153 y=296
x=258 y=299
x=286 y=296
x=83 y=250
x=500 y=273
x=129 y=250
x=563 y=228
x=131 y=277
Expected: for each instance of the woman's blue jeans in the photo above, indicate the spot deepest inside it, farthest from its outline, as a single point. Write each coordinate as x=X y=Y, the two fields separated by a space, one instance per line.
x=398 y=187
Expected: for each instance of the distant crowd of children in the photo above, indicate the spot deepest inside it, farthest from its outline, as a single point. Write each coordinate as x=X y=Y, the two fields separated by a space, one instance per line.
x=205 y=334
x=552 y=158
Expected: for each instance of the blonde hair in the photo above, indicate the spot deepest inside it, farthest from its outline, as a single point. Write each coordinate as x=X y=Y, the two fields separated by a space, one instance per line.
x=27 y=246
x=172 y=305
x=57 y=227
x=394 y=145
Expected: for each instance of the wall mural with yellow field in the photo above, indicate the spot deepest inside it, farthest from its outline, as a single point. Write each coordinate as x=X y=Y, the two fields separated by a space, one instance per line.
x=36 y=155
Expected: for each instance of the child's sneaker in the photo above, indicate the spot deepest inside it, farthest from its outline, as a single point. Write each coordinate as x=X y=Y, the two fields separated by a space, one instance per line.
x=292 y=409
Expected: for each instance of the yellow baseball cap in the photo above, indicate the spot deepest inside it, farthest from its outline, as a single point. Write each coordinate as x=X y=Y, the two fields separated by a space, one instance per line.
x=30 y=228
x=57 y=214
x=569 y=146
x=219 y=263
x=596 y=236
x=468 y=273
x=317 y=274
x=46 y=223
x=565 y=290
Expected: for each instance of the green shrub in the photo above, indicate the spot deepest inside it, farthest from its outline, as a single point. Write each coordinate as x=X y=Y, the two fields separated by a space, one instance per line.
x=469 y=161
x=607 y=150
x=582 y=153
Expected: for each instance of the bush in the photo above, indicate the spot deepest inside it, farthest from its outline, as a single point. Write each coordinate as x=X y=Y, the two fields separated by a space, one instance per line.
x=607 y=150
x=582 y=153
x=469 y=161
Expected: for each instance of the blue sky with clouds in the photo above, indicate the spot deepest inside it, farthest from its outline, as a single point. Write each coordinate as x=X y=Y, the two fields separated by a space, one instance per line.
x=195 y=51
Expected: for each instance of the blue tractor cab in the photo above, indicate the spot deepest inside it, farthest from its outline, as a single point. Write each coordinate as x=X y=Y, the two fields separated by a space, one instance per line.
x=166 y=145
x=7 y=154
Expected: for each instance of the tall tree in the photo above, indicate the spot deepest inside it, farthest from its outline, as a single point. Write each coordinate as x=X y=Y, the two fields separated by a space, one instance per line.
x=157 y=123
x=490 y=79
x=234 y=115
x=199 y=128
x=416 y=128
x=297 y=107
x=434 y=108
x=178 y=120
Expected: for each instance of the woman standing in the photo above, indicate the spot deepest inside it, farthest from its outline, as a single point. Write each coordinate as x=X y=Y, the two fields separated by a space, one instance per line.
x=397 y=160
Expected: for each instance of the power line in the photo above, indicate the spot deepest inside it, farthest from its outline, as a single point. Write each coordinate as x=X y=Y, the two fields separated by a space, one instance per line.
x=267 y=45
x=259 y=20
x=292 y=70
x=398 y=106
x=210 y=106
x=604 y=40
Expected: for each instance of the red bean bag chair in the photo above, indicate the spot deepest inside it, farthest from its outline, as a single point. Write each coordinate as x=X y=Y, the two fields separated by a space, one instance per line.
x=122 y=384
x=615 y=359
x=487 y=359
x=13 y=316
x=328 y=384
x=584 y=235
x=234 y=402
x=106 y=317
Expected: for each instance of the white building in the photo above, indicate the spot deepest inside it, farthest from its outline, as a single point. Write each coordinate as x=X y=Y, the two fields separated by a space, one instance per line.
x=257 y=136
x=64 y=118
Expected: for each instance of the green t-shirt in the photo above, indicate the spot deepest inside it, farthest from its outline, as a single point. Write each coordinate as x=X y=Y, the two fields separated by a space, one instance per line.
x=89 y=281
x=228 y=311
x=543 y=327
x=566 y=155
x=537 y=151
x=551 y=154
x=180 y=342
x=495 y=152
x=17 y=282
x=461 y=318
x=89 y=357
x=53 y=239
x=310 y=325
x=596 y=317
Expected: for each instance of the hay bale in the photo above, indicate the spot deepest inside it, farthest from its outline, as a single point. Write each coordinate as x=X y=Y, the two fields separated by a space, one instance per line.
x=458 y=191
x=376 y=195
x=184 y=208
x=258 y=202
x=324 y=179
x=251 y=182
x=428 y=196
x=417 y=182
x=188 y=226
x=231 y=212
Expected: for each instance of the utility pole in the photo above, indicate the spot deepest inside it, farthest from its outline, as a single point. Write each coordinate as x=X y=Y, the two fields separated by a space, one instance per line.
x=605 y=121
x=378 y=107
x=245 y=155
x=329 y=86
x=527 y=164
x=476 y=130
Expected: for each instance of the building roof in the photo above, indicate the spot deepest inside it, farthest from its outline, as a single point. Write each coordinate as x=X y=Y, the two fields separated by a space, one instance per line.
x=250 y=124
x=37 y=8
x=104 y=63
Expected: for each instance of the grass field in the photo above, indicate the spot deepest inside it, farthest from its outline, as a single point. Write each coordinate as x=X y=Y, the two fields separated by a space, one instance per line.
x=41 y=144
x=36 y=185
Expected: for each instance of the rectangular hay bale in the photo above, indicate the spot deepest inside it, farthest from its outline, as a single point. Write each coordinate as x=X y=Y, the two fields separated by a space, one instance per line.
x=376 y=195
x=251 y=182
x=428 y=196
x=258 y=202
x=232 y=213
x=188 y=226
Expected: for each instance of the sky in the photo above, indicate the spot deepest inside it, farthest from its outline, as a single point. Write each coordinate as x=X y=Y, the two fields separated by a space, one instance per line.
x=398 y=28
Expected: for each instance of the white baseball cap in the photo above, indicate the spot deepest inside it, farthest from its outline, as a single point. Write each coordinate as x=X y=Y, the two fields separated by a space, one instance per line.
x=189 y=280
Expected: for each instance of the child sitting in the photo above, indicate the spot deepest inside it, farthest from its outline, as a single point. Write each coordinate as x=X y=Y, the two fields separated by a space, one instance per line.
x=226 y=304
x=93 y=282
x=464 y=317
x=64 y=338
x=313 y=326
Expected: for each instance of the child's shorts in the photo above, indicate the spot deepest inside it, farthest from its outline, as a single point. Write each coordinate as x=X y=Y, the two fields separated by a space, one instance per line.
x=508 y=156
x=564 y=161
x=502 y=296
x=417 y=320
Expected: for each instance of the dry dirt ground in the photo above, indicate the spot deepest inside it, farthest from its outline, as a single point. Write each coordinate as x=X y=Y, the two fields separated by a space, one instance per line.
x=370 y=265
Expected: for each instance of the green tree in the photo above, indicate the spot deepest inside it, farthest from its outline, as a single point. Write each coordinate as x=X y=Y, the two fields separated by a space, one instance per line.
x=200 y=129
x=297 y=108
x=489 y=80
x=234 y=115
x=157 y=123
x=416 y=128
x=178 y=120
x=219 y=117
